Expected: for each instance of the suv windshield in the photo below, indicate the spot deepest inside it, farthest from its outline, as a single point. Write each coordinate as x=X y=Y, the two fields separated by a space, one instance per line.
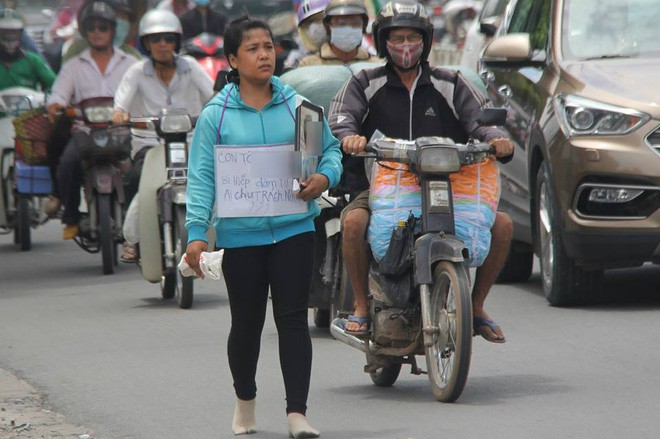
x=610 y=29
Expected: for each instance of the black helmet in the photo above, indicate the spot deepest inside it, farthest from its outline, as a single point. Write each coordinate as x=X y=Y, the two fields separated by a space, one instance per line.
x=401 y=13
x=99 y=10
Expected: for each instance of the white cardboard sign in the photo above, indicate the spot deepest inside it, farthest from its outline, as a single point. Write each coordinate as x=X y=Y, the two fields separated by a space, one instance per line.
x=253 y=181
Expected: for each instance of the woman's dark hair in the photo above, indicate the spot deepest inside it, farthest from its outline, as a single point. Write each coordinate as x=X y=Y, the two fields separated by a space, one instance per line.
x=234 y=38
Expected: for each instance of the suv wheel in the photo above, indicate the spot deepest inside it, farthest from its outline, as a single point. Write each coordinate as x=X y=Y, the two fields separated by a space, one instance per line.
x=563 y=282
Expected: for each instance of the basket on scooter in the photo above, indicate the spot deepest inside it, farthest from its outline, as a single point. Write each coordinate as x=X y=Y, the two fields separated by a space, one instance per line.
x=33 y=179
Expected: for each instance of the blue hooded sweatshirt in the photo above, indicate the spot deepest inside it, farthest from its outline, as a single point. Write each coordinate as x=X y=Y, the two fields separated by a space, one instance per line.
x=244 y=125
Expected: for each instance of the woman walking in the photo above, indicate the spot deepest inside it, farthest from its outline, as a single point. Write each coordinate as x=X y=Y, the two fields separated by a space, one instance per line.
x=255 y=112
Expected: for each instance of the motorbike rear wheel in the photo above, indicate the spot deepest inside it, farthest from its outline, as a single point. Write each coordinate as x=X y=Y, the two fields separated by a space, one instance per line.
x=448 y=357
x=106 y=238
x=23 y=223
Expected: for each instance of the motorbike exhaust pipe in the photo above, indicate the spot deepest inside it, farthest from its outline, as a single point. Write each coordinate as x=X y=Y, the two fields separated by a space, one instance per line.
x=338 y=333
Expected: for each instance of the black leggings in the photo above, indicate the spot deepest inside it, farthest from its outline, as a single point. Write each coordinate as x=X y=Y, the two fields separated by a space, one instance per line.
x=287 y=268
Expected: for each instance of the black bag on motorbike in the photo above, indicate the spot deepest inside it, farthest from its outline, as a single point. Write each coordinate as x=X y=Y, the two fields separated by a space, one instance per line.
x=399 y=256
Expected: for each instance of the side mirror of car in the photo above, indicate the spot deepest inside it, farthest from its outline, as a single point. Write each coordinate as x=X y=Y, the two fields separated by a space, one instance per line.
x=492 y=117
x=510 y=48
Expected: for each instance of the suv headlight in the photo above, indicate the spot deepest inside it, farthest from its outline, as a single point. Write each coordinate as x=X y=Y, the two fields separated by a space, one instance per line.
x=579 y=116
x=175 y=123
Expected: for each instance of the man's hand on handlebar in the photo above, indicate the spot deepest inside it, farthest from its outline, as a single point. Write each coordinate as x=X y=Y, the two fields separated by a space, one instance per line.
x=119 y=117
x=353 y=144
x=503 y=146
x=53 y=109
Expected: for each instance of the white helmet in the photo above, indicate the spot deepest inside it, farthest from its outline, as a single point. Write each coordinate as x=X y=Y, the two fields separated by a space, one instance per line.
x=158 y=21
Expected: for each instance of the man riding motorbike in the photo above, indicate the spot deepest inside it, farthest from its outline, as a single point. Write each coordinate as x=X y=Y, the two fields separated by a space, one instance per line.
x=407 y=99
x=95 y=72
x=202 y=18
x=345 y=23
x=165 y=79
x=19 y=68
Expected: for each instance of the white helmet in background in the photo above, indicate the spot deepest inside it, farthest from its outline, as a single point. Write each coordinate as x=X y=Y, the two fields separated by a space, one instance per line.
x=159 y=21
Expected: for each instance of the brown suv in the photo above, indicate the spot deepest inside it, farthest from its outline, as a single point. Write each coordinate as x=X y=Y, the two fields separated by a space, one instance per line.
x=581 y=81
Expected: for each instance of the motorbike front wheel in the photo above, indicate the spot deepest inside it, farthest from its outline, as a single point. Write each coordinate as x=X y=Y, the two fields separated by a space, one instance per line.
x=173 y=282
x=448 y=357
x=23 y=223
x=106 y=238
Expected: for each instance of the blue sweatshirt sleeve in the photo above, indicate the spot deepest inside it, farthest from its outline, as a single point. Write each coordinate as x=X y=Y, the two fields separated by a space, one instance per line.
x=330 y=164
x=200 y=192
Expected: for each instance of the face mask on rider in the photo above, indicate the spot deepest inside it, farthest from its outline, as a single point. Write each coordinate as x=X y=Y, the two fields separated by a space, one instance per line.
x=121 y=32
x=346 y=38
x=316 y=33
x=405 y=55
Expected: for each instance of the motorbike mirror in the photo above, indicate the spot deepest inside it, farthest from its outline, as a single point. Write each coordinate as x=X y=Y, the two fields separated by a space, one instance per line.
x=492 y=117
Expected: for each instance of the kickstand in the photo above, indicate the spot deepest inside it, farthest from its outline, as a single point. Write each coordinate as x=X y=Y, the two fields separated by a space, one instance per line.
x=414 y=369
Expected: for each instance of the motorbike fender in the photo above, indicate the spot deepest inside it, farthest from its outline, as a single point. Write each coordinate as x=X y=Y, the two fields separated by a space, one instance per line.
x=101 y=178
x=431 y=248
x=153 y=177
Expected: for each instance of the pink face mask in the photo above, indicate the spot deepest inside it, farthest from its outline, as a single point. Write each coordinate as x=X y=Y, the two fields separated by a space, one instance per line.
x=405 y=55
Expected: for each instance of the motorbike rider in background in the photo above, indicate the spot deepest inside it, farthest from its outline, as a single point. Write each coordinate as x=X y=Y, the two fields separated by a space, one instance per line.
x=165 y=79
x=202 y=18
x=124 y=15
x=27 y=43
x=441 y=103
x=96 y=72
x=345 y=22
x=20 y=68
x=178 y=7
x=311 y=31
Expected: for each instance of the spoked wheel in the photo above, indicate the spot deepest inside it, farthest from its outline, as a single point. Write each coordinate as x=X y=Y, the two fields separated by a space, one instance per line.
x=386 y=376
x=106 y=239
x=180 y=241
x=448 y=357
x=22 y=231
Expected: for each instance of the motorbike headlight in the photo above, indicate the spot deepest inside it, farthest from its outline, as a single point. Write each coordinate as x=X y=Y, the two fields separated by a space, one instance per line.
x=98 y=114
x=579 y=116
x=175 y=123
x=434 y=159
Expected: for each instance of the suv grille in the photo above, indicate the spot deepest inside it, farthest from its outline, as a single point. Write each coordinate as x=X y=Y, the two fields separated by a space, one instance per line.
x=653 y=140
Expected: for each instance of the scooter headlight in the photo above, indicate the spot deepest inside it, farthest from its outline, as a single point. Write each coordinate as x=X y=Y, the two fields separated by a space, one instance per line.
x=98 y=114
x=175 y=123
x=436 y=159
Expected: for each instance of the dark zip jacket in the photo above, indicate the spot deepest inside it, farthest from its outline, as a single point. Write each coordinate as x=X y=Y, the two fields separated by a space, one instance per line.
x=443 y=103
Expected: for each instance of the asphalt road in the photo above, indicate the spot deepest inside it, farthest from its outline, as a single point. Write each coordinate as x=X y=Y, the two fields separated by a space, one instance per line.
x=108 y=353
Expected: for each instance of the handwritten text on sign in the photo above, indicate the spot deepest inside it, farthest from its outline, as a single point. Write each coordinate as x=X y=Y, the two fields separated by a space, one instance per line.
x=256 y=181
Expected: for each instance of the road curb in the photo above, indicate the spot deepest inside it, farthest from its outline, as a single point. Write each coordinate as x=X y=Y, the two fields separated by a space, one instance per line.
x=23 y=415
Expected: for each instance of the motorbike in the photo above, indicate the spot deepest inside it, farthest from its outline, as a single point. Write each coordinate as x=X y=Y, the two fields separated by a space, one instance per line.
x=23 y=186
x=434 y=317
x=162 y=204
x=208 y=50
x=104 y=148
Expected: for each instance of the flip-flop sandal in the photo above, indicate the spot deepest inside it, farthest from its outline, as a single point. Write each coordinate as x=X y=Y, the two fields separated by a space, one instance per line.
x=479 y=322
x=129 y=255
x=360 y=321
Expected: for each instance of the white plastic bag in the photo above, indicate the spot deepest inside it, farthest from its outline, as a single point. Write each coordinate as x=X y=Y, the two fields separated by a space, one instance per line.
x=209 y=262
